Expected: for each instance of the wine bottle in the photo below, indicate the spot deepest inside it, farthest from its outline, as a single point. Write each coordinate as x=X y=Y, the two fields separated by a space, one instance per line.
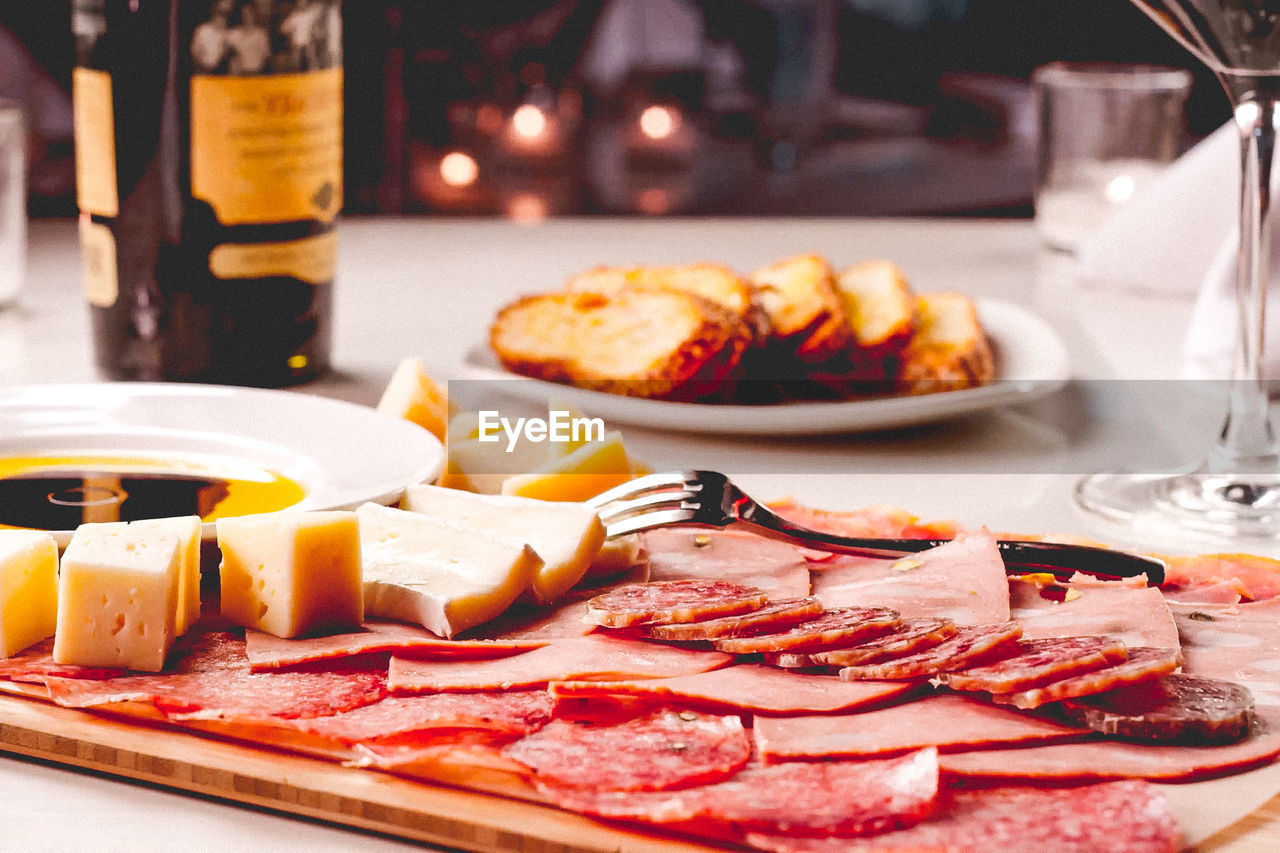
x=208 y=141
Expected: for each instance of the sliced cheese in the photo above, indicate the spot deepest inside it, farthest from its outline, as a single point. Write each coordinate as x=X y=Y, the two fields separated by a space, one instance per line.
x=187 y=529
x=567 y=536
x=616 y=556
x=482 y=466
x=413 y=395
x=118 y=597
x=582 y=474
x=291 y=573
x=28 y=589
x=442 y=575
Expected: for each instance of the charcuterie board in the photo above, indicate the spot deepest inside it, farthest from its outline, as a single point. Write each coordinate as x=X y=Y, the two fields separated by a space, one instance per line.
x=309 y=787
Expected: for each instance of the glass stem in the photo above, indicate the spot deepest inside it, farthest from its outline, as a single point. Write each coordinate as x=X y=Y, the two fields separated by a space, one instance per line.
x=1247 y=443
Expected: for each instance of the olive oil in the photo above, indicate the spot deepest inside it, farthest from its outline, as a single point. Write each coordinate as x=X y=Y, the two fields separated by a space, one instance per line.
x=61 y=492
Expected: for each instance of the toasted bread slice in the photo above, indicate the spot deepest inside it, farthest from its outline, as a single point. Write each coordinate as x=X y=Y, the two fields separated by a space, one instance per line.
x=715 y=282
x=879 y=304
x=641 y=342
x=949 y=349
x=805 y=313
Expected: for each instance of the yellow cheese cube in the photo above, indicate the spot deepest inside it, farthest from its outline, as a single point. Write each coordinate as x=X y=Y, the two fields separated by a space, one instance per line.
x=187 y=529
x=567 y=536
x=413 y=395
x=291 y=573
x=117 y=597
x=28 y=589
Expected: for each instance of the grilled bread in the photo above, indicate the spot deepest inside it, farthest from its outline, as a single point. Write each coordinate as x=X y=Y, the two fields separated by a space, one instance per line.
x=879 y=304
x=949 y=349
x=805 y=313
x=640 y=342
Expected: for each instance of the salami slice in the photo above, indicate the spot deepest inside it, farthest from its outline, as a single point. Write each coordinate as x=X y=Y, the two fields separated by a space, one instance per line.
x=824 y=798
x=1171 y=709
x=1037 y=662
x=1142 y=664
x=833 y=628
x=398 y=718
x=663 y=602
x=912 y=636
x=268 y=652
x=665 y=749
x=771 y=617
x=1120 y=817
x=967 y=647
x=34 y=663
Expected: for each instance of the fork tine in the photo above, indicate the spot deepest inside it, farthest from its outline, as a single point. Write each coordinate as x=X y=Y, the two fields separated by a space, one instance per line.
x=667 y=480
x=616 y=510
x=648 y=521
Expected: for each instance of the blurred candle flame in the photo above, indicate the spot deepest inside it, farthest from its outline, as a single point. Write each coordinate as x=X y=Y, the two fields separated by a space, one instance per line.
x=458 y=169
x=659 y=122
x=529 y=121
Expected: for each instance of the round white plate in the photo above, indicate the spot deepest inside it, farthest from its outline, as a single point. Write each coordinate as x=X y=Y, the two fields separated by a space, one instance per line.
x=342 y=454
x=1031 y=361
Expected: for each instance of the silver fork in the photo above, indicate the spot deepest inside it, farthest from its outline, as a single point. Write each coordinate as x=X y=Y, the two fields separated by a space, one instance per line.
x=709 y=499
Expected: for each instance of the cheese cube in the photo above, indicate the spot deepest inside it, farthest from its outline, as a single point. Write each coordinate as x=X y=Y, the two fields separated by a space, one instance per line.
x=187 y=529
x=291 y=573
x=566 y=535
x=413 y=395
x=28 y=589
x=443 y=576
x=117 y=597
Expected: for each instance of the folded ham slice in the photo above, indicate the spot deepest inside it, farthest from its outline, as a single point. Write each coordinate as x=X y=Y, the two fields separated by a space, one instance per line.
x=678 y=553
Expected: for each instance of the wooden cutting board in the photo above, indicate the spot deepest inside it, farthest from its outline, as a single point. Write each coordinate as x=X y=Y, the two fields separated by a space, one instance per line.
x=308 y=787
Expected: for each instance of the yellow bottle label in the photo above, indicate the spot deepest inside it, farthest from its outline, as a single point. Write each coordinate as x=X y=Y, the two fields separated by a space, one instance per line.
x=311 y=259
x=98 y=263
x=95 y=142
x=268 y=148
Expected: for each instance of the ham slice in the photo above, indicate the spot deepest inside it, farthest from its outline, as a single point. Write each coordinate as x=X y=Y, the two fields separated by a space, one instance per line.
x=1119 y=817
x=594 y=657
x=1240 y=644
x=745 y=688
x=681 y=553
x=963 y=580
x=208 y=677
x=1257 y=578
x=269 y=652
x=829 y=798
x=1097 y=760
x=1136 y=615
x=950 y=723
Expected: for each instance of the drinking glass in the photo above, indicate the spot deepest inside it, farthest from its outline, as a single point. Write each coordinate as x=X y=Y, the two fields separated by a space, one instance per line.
x=1235 y=492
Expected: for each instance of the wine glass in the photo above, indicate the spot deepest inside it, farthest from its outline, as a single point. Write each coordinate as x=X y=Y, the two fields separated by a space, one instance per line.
x=1235 y=492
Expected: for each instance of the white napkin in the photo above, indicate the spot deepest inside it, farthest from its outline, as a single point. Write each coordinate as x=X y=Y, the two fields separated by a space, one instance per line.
x=1177 y=237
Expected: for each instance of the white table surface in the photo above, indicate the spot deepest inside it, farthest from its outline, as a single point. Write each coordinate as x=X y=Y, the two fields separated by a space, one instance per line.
x=428 y=288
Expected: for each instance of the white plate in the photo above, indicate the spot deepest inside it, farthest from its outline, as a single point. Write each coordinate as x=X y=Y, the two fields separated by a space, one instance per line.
x=1031 y=362
x=340 y=453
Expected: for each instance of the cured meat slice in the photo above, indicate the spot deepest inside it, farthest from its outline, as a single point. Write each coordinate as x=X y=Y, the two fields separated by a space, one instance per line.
x=1258 y=578
x=949 y=722
x=269 y=652
x=516 y=712
x=680 y=553
x=1174 y=708
x=208 y=677
x=840 y=798
x=839 y=627
x=1141 y=665
x=744 y=687
x=1090 y=761
x=967 y=647
x=882 y=522
x=665 y=749
x=524 y=623
x=1036 y=662
x=594 y=657
x=34 y=663
x=1240 y=644
x=911 y=636
x=1119 y=817
x=1135 y=615
x=774 y=615
x=672 y=601
x=963 y=580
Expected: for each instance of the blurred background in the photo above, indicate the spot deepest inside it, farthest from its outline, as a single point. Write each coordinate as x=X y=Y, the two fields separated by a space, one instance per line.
x=537 y=108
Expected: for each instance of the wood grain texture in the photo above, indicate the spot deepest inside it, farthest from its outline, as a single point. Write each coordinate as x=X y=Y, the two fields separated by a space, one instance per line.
x=309 y=787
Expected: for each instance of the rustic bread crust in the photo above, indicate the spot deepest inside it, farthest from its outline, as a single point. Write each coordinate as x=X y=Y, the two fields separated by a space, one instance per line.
x=880 y=305
x=805 y=312
x=640 y=342
x=949 y=350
